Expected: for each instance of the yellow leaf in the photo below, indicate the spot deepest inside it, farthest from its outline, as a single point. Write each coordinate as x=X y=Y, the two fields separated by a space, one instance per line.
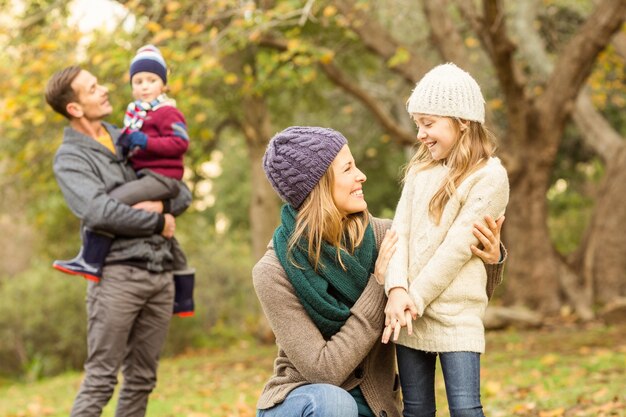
x=293 y=44
x=97 y=59
x=172 y=6
x=330 y=11
x=200 y=117
x=549 y=359
x=327 y=57
x=153 y=27
x=495 y=104
x=558 y=412
x=401 y=56
x=162 y=35
x=176 y=86
x=231 y=79
x=254 y=35
x=471 y=42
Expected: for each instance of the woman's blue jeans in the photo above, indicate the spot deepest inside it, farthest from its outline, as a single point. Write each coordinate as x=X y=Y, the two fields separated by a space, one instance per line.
x=314 y=400
x=461 y=374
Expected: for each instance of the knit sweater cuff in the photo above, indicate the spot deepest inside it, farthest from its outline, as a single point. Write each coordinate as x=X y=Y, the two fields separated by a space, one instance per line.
x=391 y=283
x=158 y=229
x=495 y=272
x=372 y=301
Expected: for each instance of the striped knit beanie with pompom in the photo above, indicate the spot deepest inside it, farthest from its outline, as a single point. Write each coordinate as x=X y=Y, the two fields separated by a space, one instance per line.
x=149 y=59
x=447 y=90
x=298 y=157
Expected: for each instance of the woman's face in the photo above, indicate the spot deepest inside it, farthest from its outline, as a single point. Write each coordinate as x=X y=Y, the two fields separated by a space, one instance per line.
x=347 y=189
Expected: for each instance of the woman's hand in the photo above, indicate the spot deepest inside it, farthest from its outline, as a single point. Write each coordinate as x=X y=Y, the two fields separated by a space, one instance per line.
x=489 y=238
x=400 y=312
x=387 y=248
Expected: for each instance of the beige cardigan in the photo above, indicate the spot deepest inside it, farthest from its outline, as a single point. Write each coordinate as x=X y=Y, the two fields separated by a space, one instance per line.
x=434 y=262
x=353 y=356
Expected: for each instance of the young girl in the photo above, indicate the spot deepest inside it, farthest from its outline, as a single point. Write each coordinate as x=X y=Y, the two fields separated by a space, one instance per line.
x=452 y=182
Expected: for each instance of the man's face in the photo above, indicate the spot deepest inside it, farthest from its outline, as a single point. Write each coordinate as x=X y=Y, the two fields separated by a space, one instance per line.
x=93 y=98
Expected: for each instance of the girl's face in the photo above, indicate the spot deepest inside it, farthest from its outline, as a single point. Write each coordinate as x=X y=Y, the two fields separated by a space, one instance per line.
x=146 y=86
x=437 y=133
x=347 y=189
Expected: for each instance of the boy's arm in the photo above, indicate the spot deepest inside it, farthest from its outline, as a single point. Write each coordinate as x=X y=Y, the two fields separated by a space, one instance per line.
x=87 y=197
x=173 y=139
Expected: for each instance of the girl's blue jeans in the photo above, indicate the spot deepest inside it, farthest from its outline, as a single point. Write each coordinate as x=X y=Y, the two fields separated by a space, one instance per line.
x=314 y=400
x=461 y=374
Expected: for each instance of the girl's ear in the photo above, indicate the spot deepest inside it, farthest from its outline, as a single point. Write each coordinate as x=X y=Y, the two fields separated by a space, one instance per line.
x=464 y=124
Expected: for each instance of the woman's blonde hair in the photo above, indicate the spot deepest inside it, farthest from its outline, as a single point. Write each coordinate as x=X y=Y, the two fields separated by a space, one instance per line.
x=319 y=220
x=473 y=147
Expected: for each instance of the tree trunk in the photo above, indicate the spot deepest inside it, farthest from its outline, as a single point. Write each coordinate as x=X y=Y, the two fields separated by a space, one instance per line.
x=263 y=203
x=533 y=264
x=603 y=260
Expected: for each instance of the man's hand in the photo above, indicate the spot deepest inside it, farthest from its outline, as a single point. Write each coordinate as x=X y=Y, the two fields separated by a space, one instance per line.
x=170 y=226
x=153 y=206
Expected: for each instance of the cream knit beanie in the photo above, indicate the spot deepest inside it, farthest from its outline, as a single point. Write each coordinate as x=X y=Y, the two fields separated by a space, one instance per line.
x=447 y=90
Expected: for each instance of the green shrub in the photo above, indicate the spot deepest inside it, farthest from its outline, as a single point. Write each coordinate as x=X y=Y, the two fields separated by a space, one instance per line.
x=42 y=323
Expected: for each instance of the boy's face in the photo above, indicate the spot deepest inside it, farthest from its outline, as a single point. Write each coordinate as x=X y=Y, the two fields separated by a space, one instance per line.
x=146 y=86
x=93 y=98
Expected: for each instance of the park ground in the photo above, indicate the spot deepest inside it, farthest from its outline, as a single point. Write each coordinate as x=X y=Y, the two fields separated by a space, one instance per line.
x=563 y=369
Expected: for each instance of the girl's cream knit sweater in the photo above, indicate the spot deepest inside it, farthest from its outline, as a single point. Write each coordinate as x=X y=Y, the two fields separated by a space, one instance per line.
x=434 y=261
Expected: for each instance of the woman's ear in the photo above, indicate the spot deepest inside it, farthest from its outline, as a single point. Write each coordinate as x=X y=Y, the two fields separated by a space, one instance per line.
x=464 y=124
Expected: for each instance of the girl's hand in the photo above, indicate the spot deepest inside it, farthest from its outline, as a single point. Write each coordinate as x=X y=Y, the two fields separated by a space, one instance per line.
x=399 y=312
x=387 y=248
x=489 y=238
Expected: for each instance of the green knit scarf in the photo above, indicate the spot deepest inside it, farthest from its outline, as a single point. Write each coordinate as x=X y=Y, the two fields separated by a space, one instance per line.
x=328 y=294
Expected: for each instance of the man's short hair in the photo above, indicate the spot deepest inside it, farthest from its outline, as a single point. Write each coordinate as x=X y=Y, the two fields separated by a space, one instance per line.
x=59 y=91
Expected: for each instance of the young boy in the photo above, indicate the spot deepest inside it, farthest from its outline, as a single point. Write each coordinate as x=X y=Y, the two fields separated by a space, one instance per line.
x=154 y=139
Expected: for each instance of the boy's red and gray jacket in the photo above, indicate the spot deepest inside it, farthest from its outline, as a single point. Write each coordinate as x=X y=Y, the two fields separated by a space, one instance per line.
x=168 y=141
x=86 y=172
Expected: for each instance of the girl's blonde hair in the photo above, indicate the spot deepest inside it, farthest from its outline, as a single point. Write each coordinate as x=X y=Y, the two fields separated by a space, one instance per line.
x=472 y=149
x=319 y=220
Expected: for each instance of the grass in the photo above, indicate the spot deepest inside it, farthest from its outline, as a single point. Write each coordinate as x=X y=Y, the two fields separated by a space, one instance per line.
x=562 y=370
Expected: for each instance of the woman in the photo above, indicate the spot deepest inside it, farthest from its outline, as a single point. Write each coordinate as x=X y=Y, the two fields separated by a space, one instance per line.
x=318 y=287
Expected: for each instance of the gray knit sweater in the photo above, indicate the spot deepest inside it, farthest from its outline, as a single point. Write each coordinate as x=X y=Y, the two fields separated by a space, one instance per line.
x=86 y=171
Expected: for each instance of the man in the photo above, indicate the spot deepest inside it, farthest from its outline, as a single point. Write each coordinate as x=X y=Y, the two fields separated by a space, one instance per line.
x=129 y=309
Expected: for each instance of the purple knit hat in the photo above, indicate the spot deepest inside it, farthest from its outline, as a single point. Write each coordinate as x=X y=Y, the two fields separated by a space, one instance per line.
x=296 y=159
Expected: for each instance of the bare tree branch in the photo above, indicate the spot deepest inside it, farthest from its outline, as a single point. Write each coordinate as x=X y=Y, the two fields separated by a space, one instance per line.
x=378 y=40
x=502 y=51
x=399 y=135
x=577 y=59
x=444 y=34
x=598 y=133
